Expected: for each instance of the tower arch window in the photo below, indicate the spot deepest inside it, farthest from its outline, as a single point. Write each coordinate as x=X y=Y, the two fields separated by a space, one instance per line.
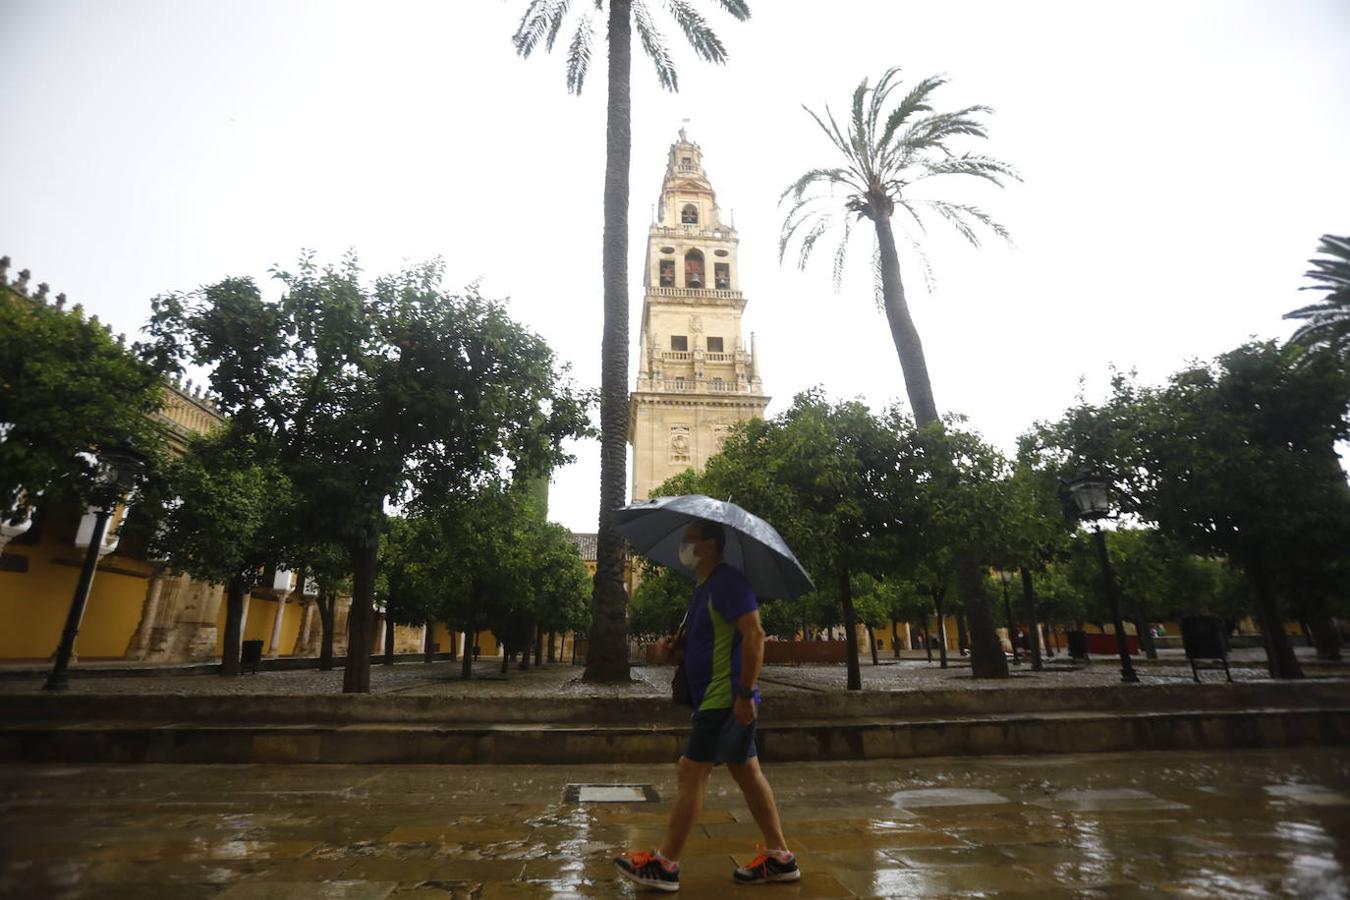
x=689 y=215
x=693 y=269
x=722 y=276
x=667 y=273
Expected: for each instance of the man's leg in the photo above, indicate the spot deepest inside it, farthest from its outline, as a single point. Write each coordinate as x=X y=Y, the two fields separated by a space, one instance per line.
x=693 y=778
x=759 y=797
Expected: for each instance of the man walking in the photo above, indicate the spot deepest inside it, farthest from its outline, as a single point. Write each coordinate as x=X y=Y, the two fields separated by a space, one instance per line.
x=723 y=654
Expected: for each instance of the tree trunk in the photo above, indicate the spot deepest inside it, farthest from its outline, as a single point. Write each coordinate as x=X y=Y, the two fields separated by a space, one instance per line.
x=850 y=629
x=235 y=595
x=538 y=646
x=327 y=603
x=466 y=664
x=429 y=643
x=552 y=648
x=1279 y=653
x=872 y=639
x=927 y=640
x=388 y=639
x=360 y=621
x=962 y=634
x=1320 y=625
x=939 y=594
x=1145 y=637
x=986 y=651
x=607 y=649
x=895 y=640
x=1033 y=625
x=506 y=656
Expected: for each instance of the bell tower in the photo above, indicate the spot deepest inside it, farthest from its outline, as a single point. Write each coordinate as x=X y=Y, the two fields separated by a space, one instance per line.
x=697 y=374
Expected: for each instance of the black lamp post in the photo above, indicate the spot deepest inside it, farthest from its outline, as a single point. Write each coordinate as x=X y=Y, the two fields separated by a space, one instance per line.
x=1006 y=577
x=1091 y=502
x=117 y=474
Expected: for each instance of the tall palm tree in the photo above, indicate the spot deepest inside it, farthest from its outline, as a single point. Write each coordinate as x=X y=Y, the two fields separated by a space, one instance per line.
x=890 y=153
x=1326 y=327
x=607 y=656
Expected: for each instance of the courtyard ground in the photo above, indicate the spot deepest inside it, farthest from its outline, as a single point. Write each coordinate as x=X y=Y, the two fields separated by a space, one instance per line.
x=1231 y=824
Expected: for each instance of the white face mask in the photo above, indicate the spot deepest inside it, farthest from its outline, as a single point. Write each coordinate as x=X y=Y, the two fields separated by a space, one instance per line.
x=687 y=557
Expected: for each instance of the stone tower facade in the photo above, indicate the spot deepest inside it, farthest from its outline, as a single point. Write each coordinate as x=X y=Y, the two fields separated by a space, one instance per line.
x=697 y=375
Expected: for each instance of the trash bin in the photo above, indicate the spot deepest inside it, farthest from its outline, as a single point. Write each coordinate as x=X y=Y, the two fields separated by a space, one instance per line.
x=1078 y=645
x=250 y=655
x=1204 y=637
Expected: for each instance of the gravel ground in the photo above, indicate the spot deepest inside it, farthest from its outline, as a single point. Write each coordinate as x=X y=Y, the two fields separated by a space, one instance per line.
x=442 y=679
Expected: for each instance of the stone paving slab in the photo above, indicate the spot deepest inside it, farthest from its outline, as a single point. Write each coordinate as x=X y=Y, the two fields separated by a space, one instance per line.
x=1224 y=824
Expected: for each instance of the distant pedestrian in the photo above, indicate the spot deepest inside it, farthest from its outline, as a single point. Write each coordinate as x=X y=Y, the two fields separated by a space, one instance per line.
x=723 y=654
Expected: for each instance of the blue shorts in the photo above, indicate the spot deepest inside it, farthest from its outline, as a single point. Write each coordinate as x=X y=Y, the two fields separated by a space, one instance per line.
x=716 y=737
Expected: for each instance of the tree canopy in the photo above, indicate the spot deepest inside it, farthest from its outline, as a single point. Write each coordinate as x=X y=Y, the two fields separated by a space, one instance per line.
x=67 y=387
x=394 y=392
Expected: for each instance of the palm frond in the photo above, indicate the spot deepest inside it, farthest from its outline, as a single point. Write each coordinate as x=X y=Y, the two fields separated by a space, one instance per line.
x=696 y=30
x=985 y=167
x=907 y=206
x=1326 y=328
x=559 y=14
x=809 y=241
x=654 y=44
x=956 y=214
x=925 y=263
x=916 y=101
x=832 y=131
x=814 y=176
x=739 y=9
x=579 y=54
x=841 y=255
x=539 y=18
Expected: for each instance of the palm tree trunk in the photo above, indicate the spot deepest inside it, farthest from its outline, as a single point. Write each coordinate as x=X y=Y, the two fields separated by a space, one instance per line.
x=895 y=640
x=388 y=638
x=906 y=337
x=607 y=650
x=986 y=654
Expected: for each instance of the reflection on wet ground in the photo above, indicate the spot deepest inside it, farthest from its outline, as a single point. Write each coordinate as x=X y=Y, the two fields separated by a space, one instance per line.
x=1272 y=823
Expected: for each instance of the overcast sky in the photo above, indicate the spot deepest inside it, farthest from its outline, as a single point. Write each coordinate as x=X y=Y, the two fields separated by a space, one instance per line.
x=1181 y=160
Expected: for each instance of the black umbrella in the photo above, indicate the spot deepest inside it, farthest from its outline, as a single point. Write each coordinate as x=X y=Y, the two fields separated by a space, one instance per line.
x=656 y=528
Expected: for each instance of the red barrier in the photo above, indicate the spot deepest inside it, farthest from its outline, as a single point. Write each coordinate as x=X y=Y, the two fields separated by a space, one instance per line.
x=1105 y=644
x=805 y=651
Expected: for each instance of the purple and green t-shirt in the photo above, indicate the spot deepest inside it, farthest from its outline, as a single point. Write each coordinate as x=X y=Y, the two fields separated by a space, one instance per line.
x=712 y=647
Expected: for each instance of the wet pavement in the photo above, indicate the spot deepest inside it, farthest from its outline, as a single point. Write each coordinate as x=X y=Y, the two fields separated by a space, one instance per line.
x=1240 y=823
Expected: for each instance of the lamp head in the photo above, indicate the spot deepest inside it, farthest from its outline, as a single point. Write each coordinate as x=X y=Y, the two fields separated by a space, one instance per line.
x=1089 y=497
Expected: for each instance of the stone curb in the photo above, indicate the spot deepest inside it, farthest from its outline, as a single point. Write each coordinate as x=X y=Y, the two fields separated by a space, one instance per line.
x=112 y=742
x=405 y=709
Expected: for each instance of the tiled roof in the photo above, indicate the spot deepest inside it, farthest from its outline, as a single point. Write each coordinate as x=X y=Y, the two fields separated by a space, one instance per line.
x=585 y=546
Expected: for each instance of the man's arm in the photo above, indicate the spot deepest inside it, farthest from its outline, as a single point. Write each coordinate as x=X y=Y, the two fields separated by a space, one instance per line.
x=752 y=660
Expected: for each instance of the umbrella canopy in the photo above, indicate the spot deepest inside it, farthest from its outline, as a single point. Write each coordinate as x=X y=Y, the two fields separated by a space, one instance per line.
x=656 y=528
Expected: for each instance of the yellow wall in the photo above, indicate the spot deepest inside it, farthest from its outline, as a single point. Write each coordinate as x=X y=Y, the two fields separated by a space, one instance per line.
x=33 y=604
x=444 y=638
x=262 y=613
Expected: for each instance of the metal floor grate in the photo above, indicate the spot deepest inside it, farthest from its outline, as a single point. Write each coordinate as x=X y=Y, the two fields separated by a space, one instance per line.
x=610 y=793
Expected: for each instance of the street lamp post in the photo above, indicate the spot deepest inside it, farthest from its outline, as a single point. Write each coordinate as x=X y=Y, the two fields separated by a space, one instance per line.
x=1006 y=577
x=1091 y=503
x=118 y=471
